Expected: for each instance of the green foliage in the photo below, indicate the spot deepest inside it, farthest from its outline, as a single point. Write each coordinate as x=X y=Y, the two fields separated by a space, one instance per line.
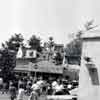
x=7 y=62
x=14 y=42
x=51 y=42
x=35 y=43
x=73 y=52
x=74 y=48
x=89 y=25
x=58 y=58
x=8 y=55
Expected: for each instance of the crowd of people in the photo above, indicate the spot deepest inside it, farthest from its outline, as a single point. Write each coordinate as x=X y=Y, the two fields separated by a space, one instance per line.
x=33 y=87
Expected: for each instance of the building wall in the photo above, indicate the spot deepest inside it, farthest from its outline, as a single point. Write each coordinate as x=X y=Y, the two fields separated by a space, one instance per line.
x=88 y=89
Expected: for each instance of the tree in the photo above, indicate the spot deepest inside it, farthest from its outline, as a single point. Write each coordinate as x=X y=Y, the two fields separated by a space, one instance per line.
x=7 y=63
x=58 y=58
x=90 y=25
x=50 y=46
x=51 y=43
x=35 y=43
x=14 y=42
x=73 y=50
x=8 y=55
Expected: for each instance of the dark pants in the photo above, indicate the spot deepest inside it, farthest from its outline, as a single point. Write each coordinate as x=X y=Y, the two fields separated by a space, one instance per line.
x=12 y=98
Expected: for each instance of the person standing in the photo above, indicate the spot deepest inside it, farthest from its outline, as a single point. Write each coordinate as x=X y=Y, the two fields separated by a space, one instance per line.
x=20 y=82
x=59 y=88
x=21 y=92
x=28 y=87
x=54 y=84
x=12 y=91
x=40 y=83
x=1 y=84
x=35 y=92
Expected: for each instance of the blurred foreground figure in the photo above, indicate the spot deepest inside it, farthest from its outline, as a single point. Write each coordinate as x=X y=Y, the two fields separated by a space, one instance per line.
x=35 y=92
x=21 y=93
x=12 y=91
x=1 y=84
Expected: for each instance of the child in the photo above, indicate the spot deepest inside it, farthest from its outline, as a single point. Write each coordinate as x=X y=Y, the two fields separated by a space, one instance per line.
x=21 y=92
x=12 y=91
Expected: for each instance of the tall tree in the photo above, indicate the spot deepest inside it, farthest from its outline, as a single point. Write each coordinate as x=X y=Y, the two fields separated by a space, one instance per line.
x=51 y=43
x=90 y=25
x=14 y=42
x=50 y=46
x=7 y=63
x=8 y=55
x=73 y=49
x=35 y=43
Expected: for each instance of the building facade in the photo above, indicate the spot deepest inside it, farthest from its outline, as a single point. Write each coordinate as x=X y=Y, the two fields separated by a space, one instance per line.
x=89 y=77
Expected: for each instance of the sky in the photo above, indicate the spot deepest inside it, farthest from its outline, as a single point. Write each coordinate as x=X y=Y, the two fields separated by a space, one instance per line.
x=57 y=18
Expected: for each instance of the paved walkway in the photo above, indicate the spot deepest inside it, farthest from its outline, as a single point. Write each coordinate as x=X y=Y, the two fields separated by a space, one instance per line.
x=6 y=97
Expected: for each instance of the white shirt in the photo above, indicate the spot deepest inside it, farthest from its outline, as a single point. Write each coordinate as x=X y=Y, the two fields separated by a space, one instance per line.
x=59 y=88
x=1 y=81
x=69 y=86
x=35 y=87
x=40 y=83
x=54 y=84
x=20 y=94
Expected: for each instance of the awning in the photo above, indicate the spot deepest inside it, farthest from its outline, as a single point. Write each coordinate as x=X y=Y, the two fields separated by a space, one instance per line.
x=42 y=66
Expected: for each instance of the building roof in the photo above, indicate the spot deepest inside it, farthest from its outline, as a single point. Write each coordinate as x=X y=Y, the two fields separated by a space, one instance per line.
x=93 y=33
